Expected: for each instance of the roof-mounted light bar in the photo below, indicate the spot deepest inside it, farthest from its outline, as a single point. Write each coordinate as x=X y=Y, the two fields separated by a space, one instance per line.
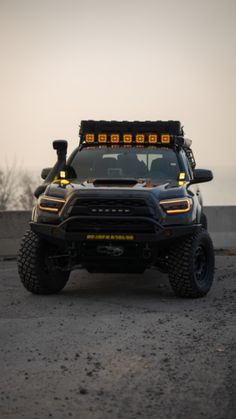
x=131 y=127
x=128 y=133
x=138 y=139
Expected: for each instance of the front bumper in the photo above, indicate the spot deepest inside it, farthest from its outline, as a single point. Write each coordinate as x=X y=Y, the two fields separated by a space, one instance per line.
x=154 y=232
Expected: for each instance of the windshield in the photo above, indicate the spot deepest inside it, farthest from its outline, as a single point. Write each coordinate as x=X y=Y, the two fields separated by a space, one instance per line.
x=157 y=164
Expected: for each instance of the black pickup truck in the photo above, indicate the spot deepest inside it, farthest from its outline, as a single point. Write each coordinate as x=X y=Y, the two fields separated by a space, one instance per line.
x=126 y=200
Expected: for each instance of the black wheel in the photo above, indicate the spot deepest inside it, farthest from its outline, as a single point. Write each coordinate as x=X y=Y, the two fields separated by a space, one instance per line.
x=191 y=266
x=34 y=270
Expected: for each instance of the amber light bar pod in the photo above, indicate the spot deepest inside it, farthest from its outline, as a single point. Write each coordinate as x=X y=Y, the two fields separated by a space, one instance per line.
x=166 y=133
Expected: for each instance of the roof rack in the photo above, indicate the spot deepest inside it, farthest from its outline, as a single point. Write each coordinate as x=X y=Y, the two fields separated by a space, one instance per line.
x=190 y=157
x=131 y=127
x=164 y=133
x=183 y=141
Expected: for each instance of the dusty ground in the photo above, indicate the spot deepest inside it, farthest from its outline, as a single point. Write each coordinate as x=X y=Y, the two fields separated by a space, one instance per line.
x=118 y=347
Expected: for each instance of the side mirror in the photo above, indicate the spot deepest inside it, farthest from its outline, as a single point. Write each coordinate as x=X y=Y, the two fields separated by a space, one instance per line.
x=201 y=175
x=45 y=172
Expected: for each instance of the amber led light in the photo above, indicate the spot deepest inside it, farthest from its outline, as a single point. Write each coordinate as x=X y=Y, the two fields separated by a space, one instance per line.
x=182 y=176
x=62 y=174
x=115 y=138
x=102 y=138
x=165 y=139
x=50 y=204
x=89 y=138
x=176 y=206
x=152 y=139
x=140 y=138
x=181 y=180
x=127 y=138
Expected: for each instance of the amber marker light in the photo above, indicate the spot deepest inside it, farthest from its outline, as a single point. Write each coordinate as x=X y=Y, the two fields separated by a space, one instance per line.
x=182 y=176
x=115 y=138
x=102 y=138
x=89 y=138
x=62 y=174
x=165 y=139
x=152 y=139
x=176 y=206
x=140 y=138
x=127 y=138
x=181 y=180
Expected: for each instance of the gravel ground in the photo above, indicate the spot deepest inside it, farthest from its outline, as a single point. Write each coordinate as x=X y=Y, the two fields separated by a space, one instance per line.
x=118 y=346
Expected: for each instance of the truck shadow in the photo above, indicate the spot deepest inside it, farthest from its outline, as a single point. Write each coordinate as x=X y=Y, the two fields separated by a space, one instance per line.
x=151 y=284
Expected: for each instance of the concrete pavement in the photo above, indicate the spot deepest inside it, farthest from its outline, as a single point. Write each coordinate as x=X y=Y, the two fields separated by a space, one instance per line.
x=118 y=346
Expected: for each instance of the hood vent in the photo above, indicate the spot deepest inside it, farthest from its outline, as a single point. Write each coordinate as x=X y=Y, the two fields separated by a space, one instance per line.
x=115 y=182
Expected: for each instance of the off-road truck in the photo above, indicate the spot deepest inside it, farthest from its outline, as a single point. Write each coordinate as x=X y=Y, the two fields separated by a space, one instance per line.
x=127 y=199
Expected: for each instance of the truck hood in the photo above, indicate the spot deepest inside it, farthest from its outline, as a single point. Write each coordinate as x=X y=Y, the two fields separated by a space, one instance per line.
x=128 y=188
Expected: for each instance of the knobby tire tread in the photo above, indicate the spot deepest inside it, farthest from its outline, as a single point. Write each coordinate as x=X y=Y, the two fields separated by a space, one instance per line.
x=30 y=271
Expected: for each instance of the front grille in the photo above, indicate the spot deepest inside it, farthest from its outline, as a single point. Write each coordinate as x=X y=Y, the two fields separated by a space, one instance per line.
x=111 y=214
x=111 y=206
x=109 y=202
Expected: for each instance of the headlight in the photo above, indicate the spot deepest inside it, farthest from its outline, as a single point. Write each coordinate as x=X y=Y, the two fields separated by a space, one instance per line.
x=50 y=204
x=176 y=206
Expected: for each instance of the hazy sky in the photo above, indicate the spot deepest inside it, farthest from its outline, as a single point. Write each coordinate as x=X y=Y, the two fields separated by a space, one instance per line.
x=63 y=61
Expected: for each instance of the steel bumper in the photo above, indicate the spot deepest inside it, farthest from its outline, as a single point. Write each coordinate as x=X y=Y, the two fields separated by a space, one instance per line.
x=59 y=234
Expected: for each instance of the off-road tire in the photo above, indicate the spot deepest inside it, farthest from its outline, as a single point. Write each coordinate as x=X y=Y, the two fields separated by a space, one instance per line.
x=191 y=266
x=32 y=267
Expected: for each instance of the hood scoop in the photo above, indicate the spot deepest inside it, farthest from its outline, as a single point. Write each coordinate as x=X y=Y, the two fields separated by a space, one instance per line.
x=115 y=182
